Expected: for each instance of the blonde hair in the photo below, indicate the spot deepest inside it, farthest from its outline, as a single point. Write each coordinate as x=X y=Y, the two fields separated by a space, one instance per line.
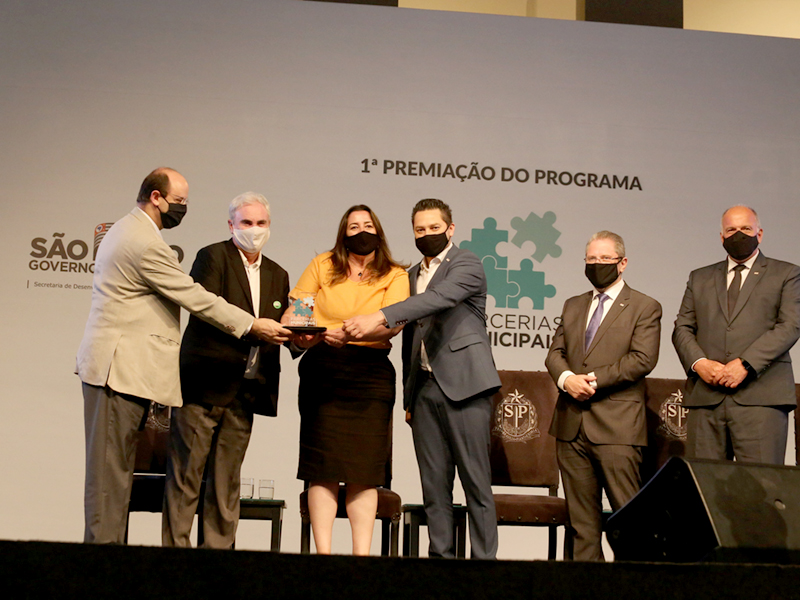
x=619 y=243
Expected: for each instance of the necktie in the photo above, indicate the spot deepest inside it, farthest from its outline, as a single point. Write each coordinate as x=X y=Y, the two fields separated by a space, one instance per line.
x=594 y=322
x=734 y=287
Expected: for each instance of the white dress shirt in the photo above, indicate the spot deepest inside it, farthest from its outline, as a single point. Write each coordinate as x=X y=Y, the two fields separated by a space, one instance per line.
x=748 y=265
x=426 y=273
x=612 y=293
x=153 y=222
x=254 y=277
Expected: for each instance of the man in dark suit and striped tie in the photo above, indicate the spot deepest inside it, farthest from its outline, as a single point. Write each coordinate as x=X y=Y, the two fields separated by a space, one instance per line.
x=606 y=344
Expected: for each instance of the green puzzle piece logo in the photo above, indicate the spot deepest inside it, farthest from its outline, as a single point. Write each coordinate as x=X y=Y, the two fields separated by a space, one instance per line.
x=508 y=286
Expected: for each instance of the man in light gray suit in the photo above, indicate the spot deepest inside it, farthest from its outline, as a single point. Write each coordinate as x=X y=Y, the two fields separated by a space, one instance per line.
x=737 y=322
x=130 y=348
x=449 y=378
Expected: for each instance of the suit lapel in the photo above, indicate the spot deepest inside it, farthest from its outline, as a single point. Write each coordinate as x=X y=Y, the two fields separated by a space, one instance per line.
x=413 y=273
x=757 y=272
x=440 y=272
x=423 y=325
x=237 y=266
x=721 y=283
x=579 y=328
x=416 y=336
x=265 y=281
x=615 y=309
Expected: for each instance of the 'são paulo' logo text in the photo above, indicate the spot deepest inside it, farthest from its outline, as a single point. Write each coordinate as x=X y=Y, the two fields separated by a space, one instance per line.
x=62 y=255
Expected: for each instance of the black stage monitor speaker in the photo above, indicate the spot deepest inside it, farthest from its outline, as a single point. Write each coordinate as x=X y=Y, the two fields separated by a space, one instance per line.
x=694 y=510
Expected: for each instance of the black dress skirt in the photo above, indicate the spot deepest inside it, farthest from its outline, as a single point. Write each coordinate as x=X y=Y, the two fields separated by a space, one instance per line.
x=346 y=399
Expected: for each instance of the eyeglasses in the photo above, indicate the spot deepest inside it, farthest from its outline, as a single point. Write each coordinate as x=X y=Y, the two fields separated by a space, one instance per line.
x=603 y=260
x=179 y=199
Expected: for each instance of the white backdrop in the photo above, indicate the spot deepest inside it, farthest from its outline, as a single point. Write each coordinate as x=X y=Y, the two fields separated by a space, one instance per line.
x=288 y=98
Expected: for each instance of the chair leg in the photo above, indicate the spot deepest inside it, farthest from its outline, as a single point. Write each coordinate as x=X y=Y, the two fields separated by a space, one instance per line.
x=385 y=534
x=460 y=534
x=569 y=543
x=552 y=541
x=200 y=538
x=305 y=537
x=411 y=536
x=395 y=537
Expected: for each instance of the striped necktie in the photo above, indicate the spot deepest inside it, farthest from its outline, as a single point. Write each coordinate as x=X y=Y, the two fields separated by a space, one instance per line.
x=594 y=322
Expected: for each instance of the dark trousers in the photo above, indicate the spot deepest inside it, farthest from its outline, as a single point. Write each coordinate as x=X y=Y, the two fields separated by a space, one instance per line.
x=202 y=435
x=448 y=436
x=748 y=433
x=111 y=421
x=587 y=469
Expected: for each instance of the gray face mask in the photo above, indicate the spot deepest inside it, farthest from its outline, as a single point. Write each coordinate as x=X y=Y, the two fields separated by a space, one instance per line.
x=251 y=239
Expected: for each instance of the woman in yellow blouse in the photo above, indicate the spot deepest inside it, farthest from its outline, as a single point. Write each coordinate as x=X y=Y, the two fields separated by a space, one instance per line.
x=347 y=388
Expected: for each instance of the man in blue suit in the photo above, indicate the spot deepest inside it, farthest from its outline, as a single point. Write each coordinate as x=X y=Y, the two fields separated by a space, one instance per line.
x=449 y=378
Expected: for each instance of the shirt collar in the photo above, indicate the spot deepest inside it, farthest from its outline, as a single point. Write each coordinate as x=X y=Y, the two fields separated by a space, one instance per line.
x=748 y=264
x=436 y=260
x=247 y=265
x=158 y=231
x=612 y=292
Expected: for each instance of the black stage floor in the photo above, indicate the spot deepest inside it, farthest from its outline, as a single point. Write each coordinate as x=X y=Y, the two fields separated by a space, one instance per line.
x=61 y=570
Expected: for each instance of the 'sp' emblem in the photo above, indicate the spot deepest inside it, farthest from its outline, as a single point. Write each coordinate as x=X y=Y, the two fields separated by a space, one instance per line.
x=672 y=415
x=515 y=419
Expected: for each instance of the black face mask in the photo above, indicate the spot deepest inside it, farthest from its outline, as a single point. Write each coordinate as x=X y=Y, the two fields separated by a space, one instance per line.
x=432 y=244
x=602 y=275
x=740 y=245
x=362 y=243
x=173 y=216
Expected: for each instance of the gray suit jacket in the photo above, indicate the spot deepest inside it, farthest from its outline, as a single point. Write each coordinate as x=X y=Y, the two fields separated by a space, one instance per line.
x=450 y=316
x=132 y=337
x=764 y=325
x=624 y=350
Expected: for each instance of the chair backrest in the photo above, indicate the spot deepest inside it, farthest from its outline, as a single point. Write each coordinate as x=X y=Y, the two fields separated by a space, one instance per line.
x=523 y=453
x=151 y=451
x=666 y=423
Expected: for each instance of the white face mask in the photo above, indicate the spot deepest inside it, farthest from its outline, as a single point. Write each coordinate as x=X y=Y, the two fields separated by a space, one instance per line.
x=251 y=239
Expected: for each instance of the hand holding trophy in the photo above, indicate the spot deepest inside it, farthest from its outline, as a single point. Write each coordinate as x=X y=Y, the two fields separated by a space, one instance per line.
x=299 y=319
